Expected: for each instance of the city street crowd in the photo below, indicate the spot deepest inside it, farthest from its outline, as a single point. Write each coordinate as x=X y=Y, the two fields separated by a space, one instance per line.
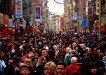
x=50 y=53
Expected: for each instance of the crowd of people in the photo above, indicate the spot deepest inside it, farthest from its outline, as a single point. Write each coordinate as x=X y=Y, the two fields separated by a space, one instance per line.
x=50 y=53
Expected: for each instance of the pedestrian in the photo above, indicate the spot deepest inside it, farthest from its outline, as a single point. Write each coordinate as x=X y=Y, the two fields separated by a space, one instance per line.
x=50 y=68
x=60 y=68
x=24 y=70
x=2 y=63
x=40 y=65
x=73 y=68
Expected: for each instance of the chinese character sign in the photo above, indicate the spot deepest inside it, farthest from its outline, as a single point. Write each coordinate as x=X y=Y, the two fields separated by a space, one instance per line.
x=38 y=12
x=18 y=8
x=97 y=7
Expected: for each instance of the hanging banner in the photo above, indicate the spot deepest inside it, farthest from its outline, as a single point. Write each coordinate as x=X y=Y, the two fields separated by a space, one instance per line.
x=38 y=13
x=18 y=9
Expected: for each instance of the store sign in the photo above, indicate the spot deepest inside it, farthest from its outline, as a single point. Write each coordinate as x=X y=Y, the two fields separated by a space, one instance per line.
x=18 y=9
x=97 y=7
x=38 y=13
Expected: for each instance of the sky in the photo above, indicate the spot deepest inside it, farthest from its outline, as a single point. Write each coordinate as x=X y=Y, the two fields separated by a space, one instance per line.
x=55 y=7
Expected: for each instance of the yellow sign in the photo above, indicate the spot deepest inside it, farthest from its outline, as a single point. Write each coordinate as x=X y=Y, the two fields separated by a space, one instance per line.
x=97 y=7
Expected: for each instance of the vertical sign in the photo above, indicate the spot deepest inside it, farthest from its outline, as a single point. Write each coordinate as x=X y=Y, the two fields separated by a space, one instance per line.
x=18 y=9
x=38 y=13
x=97 y=7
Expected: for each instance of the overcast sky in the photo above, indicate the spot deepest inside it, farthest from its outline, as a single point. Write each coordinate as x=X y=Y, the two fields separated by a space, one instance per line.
x=55 y=7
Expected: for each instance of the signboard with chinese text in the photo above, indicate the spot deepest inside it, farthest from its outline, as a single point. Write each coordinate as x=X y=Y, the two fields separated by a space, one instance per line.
x=18 y=9
x=38 y=13
x=97 y=7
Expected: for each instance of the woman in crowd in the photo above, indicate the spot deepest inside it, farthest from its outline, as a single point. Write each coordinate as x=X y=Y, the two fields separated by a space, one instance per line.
x=50 y=68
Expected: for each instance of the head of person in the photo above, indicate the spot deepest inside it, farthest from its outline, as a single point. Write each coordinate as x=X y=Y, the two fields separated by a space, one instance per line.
x=73 y=60
x=68 y=49
x=28 y=61
x=50 y=68
x=44 y=53
x=60 y=68
x=24 y=69
x=41 y=60
x=36 y=56
x=72 y=53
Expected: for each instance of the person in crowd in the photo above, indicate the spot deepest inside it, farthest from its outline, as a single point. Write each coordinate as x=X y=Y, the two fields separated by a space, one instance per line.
x=25 y=70
x=67 y=56
x=73 y=69
x=28 y=61
x=40 y=65
x=35 y=59
x=60 y=68
x=44 y=53
x=72 y=53
x=50 y=68
x=104 y=59
x=2 y=63
x=93 y=70
x=52 y=57
x=25 y=46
